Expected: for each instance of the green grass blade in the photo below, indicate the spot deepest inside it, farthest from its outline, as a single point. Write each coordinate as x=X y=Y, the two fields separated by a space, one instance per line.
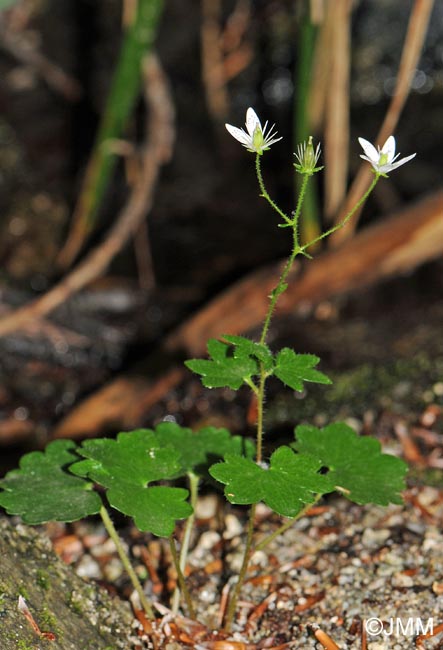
x=125 y=88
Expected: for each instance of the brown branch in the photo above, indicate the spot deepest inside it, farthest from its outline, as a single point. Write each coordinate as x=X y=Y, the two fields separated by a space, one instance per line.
x=160 y=136
x=212 y=59
x=337 y=113
x=237 y=24
x=320 y=75
x=24 y=51
x=417 y=28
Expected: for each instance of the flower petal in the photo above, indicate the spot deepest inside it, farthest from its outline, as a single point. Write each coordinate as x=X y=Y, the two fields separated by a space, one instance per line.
x=252 y=121
x=239 y=134
x=389 y=148
x=370 y=150
x=401 y=162
x=374 y=164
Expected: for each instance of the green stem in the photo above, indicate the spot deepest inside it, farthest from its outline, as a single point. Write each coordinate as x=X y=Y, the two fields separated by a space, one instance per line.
x=260 y=414
x=275 y=294
x=181 y=578
x=264 y=192
x=242 y=575
x=297 y=213
x=346 y=218
x=126 y=562
x=193 y=480
x=296 y=249
x=284 y=527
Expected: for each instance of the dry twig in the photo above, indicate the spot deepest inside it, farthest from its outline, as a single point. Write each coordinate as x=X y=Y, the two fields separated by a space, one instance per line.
x=337 y=113
x=417 y=28
x=160 y=136
x=212 y=59
x=22 y=49
x=224 y=55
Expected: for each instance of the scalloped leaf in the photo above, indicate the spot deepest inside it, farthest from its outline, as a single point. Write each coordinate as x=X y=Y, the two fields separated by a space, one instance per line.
x=201 y=448
x=231 y=363
x=258 y=350
x=293 y=369
x=356 y=463
x=43 y=490
x=287 y=486
x=126 y=466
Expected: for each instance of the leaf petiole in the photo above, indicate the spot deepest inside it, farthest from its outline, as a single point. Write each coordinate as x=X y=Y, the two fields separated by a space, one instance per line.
x=181 y=578
x=193 y=481
x=107 y=521
x=286 y=526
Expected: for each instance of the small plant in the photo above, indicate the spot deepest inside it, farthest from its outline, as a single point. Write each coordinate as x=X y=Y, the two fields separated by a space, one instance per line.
x=137 y=471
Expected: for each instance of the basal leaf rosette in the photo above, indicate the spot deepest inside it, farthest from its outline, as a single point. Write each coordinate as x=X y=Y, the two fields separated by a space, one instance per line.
x=127 y=466
x=291 y=481
x=356 y=465
x=43 y=490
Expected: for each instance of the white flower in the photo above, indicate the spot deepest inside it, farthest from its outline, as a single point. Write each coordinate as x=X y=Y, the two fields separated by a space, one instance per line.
x=383 y=159
x=255 y=139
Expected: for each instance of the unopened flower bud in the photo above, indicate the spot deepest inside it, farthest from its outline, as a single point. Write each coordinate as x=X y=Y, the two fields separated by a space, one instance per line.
x=307 y=157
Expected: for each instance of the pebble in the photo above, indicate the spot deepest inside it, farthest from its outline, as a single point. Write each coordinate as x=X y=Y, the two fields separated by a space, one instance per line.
x=344 y=579
x=208 y=596
x=373 y=538
x=233 y=527
x=88 y=568
x=433 y=539
x=377 y=584
x=428 y=496
x=113 y=569
x=209 y=539
x=437 y=588
x=260 y=558
x=401 y=580
x=206 y=507
x=416 y=527
x=102 y=550
x=393 y=559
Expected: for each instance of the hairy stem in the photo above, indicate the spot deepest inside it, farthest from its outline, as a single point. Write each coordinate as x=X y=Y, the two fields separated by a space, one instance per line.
x=193 y=490
x=242 y=575
x=264 y=192
x=281 y=286
x=286 y=526
x=181 y=578
x=126 y=562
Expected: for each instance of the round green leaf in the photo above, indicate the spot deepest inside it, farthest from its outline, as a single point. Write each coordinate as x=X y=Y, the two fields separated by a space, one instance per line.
x=43 y=490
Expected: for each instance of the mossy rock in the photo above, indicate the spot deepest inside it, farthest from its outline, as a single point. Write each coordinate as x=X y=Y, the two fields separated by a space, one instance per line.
x=80 y=614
